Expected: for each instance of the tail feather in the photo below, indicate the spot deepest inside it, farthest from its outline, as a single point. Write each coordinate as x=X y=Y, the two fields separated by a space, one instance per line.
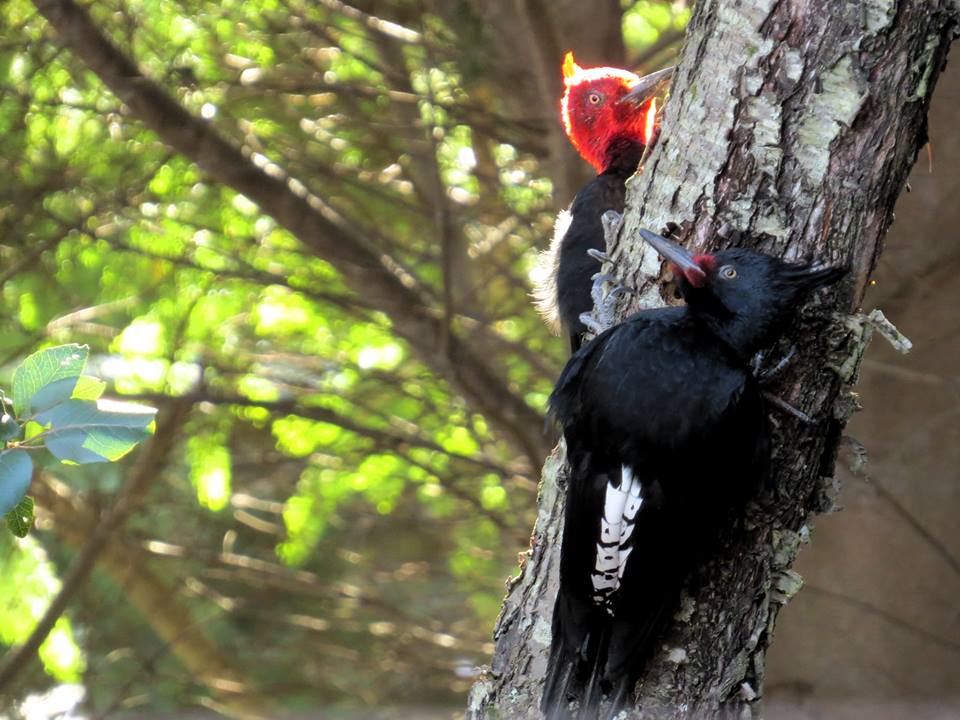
x=570 y=652
x=599 y=650
x=593 y=696
x=609 y=658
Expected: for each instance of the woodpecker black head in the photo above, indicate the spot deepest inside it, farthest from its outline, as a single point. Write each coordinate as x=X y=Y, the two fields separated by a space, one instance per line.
x=746 y=296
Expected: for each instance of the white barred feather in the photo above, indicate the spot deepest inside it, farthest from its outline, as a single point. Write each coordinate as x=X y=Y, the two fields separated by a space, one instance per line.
x=620 y=507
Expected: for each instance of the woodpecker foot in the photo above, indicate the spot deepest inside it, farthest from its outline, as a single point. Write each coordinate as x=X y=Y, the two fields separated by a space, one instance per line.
x=766 y=375
x=604 y=304
x=785 y=407
x=610 y=220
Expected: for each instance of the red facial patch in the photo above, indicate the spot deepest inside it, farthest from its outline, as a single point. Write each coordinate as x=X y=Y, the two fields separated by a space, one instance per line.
x=697 y=277
x=708 y=263
x=591 y=126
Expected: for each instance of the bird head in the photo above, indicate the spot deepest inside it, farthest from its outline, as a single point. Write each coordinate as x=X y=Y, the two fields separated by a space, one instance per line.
x=603 y=105
x=747 y=296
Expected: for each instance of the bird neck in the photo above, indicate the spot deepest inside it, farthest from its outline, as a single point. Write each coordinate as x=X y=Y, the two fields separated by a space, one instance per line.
x=745 y=336
x=622 y=155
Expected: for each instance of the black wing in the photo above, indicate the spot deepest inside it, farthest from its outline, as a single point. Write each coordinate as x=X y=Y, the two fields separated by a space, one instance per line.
x=656 y=402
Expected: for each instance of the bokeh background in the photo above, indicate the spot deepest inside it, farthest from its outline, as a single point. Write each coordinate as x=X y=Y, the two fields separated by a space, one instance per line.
x=332 y=528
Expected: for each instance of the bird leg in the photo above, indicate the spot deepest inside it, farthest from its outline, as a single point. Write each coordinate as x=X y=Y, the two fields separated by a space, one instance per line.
x=605 y=304
x=598 y=255
x=765 y=376
x=785 y=407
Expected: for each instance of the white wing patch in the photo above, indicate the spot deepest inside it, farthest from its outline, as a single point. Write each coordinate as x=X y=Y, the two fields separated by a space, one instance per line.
x=544 y=274
x=620 y=507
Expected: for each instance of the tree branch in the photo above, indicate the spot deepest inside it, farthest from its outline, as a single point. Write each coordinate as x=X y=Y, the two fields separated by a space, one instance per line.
x=371 y=273
x=154 y=597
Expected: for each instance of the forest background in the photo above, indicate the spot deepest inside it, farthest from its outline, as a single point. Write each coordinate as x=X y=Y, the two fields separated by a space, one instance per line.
x=351 y=377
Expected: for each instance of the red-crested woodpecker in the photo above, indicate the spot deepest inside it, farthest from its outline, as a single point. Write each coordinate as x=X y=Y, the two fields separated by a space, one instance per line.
x=610 y=117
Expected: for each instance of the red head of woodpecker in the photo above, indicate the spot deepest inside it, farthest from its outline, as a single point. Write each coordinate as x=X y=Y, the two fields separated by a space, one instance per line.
x=605 y=108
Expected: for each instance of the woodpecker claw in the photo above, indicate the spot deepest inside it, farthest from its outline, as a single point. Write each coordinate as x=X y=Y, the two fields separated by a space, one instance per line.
x=787 y=408
x=591 y=324
x=599 y=279
x=767 y=375
x=610 y=220
x=598 y=255
x=604 y=303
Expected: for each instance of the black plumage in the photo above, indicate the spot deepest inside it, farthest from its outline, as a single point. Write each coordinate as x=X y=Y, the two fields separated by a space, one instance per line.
x=610 y=117
x=575 y=267
x=664 y=403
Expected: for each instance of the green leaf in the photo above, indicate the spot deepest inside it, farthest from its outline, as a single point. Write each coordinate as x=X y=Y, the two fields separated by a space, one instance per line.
x=88 y=388
x=82 y=387
x=52 y=394
x=20 y=519
x=44 y=368
x=9 y=428
x=16 y=471
x=83 y=431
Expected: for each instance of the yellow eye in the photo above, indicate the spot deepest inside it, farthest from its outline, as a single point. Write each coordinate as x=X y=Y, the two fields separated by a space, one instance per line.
x=728 y=272
x=594 y=98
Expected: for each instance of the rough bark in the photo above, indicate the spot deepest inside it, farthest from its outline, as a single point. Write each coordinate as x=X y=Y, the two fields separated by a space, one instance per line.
x=796 y=125
x=366 y=269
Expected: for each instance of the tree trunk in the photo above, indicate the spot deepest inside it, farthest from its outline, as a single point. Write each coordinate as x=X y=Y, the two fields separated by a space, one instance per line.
x=794 y=125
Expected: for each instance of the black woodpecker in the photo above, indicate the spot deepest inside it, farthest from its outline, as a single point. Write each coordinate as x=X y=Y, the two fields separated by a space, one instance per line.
x=667 y=435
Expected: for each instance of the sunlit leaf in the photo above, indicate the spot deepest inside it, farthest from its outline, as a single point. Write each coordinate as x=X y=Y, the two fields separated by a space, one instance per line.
x=16 y=472
x=20 y=519
x=83 y=431
x=64 y=362
x=10 y=429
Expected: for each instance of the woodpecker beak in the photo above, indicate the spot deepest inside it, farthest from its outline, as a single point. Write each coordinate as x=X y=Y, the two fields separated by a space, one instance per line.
x=676 y=255
x=648 y=86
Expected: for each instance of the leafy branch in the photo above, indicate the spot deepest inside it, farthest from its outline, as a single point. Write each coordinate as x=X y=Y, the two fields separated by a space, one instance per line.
x=56 y=407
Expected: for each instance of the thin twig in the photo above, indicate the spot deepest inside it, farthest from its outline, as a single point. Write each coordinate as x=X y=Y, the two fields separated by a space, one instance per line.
x=888 y=616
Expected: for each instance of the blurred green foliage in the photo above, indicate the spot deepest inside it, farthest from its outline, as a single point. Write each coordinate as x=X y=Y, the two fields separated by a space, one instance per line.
x=335 y=519
x=27 y=582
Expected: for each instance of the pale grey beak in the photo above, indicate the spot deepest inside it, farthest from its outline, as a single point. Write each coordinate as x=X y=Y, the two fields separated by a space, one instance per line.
x=648 y=86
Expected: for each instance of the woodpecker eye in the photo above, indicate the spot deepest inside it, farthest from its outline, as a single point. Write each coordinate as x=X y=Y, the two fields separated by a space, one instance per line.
x=594 y=98
x=728 y=272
